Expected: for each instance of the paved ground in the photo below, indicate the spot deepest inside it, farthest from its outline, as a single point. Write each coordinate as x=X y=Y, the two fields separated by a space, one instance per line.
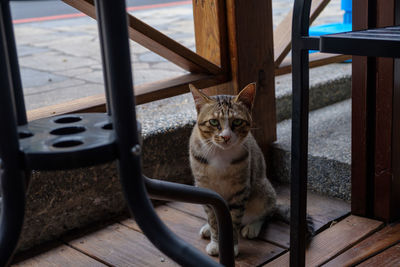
x=60 y=59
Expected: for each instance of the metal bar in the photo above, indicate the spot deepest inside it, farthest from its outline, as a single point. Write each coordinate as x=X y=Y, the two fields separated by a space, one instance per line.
x=119 y=78
x=163 y=190
x=103 y=60
x=300 y=85
x=310 y=42
x=12 y=179
x=13 y=61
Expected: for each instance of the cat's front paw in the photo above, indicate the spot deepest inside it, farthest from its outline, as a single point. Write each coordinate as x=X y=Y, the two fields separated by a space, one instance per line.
x=205 y=231
x=251 y=230
x=212 y=248
x=236 y=249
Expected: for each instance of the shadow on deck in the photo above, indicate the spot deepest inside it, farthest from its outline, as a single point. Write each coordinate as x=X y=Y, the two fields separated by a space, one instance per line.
x=341 y=239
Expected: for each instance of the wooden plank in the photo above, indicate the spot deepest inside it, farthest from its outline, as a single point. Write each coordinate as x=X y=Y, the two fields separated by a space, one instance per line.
x=334 y=241
x=251 y=252
x=360 y=191
x=144 y=93
x=322 y=209
x=156 y=42
x=210 y=31
x=283 y=32
x=210 y=28
x=118 y=245
x=390 y=257
x=317 y=59
x=62 y=255
x=396 y=128
x=252 y=60
x=373 y=245
x=386 y=205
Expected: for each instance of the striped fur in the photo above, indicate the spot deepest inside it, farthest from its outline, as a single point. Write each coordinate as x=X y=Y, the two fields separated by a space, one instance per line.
x=225 y=157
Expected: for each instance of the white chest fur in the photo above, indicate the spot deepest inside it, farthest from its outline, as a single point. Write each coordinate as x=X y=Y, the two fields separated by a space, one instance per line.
x=221 y=158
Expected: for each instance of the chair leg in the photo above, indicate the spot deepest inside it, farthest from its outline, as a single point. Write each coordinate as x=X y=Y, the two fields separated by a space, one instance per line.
x=298 y=196
x=163 y=190
x=13 y=61
x=12 y=212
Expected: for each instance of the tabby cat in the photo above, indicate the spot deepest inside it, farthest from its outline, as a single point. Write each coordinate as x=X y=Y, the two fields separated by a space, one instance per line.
x=225 y=157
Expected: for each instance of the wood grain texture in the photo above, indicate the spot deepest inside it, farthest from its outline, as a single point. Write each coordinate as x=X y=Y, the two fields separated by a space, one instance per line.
x=120 y=246
x=384 y=204
x=283 y=32
x=373 y=245
x=252 y=252
x=210 y=31
x=322 y=209
x=156 y=42
x=334 y=241
x=390 y=257
x=317 y=59
x=360 y=190
x=143 y=93
x=210 y=28
x=60 y=256
x=252 y=60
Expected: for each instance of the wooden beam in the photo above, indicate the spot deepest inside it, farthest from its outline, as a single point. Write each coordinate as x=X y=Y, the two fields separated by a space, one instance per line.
x=156 y=42
x=317 y=59
x=143 y=93
x=283 y=32
x=375 y=122
x=361 y=194
x=210 y=28
x=210 y=31
x=386 y=184
x=252 y=60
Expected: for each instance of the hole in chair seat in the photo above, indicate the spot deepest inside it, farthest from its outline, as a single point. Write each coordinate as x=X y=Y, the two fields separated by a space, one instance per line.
x=68 y=143
x=25 y=134
x=107 y=126
x=68 y=130
x=68 y=119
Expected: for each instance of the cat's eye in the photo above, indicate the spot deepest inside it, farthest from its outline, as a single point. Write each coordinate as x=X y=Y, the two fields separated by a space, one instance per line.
x=214 y=122
x=237 y=122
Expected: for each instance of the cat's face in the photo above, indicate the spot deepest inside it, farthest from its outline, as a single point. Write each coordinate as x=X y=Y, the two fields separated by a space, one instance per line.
x=223 y=120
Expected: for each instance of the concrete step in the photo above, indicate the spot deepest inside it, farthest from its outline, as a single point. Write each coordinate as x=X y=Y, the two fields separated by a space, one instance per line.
x=329 y=158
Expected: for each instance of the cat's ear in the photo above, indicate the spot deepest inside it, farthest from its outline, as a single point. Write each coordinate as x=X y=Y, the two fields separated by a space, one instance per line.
x=246 y=96
x=199 y=98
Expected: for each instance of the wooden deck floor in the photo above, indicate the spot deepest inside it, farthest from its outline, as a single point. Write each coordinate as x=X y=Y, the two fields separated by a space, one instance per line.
x=341 y=240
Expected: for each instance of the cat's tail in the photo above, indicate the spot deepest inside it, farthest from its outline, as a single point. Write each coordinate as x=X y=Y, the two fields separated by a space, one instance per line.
x=282 y=213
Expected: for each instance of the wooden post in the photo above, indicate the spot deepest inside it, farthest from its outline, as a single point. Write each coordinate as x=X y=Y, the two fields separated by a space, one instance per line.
x=249 y=48
x=376 y=122
x=361 y=184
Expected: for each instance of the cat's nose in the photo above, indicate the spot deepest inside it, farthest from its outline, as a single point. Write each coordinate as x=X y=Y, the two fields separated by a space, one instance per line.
x=226 y=138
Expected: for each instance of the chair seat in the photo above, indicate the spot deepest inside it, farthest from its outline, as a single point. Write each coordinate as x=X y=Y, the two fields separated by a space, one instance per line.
x=380 y=42
x=67 y=141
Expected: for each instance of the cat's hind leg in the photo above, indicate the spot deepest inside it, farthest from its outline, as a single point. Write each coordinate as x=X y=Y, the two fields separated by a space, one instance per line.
x=205 y=232
x=252 y=230
x=259 y=207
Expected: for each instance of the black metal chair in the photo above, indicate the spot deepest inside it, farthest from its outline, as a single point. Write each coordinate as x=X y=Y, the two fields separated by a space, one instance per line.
x=78 y=140
x=383 y=42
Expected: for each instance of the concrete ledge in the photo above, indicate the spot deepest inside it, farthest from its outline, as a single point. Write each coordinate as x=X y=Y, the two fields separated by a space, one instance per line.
x=65 y=200
x=329 y=151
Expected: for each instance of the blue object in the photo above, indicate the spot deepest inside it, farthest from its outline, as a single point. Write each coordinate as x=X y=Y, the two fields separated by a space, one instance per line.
x=344 y=26
x=347 y=7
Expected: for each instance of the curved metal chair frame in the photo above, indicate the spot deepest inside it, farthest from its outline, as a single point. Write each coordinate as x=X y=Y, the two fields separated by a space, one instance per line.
x=78 y=140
